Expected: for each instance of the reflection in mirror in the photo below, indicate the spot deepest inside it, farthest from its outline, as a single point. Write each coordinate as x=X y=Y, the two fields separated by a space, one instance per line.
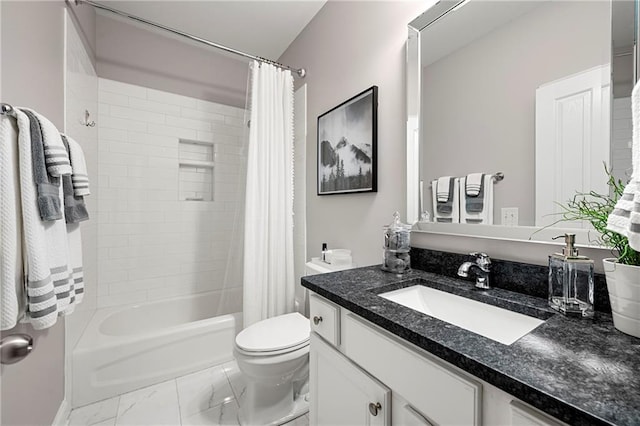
x=524 y=88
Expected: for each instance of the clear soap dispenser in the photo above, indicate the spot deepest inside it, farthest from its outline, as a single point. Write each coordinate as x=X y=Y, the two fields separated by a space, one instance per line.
x=571 y=280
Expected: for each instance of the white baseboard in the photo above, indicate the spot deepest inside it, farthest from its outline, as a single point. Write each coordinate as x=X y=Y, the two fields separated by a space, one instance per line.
x=62 y=416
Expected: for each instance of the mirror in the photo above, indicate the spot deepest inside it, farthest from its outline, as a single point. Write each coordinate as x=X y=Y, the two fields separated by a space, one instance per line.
x=537 y=90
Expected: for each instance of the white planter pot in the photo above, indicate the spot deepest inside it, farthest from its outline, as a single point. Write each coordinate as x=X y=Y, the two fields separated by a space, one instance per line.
x=623 y=284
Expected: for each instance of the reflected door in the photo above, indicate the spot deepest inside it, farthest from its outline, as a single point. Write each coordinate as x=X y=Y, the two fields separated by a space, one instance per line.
x=572 y=138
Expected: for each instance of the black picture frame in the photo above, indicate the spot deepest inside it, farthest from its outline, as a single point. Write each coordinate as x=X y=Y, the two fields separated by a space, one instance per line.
x=349 y=132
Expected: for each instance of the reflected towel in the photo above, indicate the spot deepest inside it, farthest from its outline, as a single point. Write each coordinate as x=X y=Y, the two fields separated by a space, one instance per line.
x=474 y=189
x=625 y=217
x=444 y=194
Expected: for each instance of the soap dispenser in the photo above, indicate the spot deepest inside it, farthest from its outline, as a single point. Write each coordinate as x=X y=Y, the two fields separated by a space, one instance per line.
x=571 y=280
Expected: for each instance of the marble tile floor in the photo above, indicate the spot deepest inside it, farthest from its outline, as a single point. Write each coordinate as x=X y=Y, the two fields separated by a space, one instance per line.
x=207 y=397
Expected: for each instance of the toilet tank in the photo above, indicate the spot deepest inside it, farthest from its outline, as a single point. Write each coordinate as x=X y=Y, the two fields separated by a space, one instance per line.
x=317 y=266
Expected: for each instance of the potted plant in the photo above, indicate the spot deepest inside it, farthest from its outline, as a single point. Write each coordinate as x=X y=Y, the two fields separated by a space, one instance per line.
x=623 y=271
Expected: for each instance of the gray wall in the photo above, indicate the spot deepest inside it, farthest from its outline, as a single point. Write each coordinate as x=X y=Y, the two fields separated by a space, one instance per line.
x=136 y=55
x=32 y=75
x=84 y=18
x=346 y=48
x=479 y=101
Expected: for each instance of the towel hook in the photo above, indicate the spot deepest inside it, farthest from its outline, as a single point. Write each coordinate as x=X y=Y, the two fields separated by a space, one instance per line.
x=87 y=122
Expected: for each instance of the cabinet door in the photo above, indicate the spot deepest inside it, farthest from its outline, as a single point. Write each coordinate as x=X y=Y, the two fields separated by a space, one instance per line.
x=341 y=393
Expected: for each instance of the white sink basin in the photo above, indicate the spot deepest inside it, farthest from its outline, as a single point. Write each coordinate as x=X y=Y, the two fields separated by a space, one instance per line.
x=498 y=324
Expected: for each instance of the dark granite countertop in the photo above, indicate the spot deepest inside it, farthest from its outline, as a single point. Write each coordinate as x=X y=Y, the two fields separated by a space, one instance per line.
x=581 y=371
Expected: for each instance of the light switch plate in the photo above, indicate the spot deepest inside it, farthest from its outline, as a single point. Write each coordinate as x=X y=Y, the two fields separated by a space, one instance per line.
x=509 y=216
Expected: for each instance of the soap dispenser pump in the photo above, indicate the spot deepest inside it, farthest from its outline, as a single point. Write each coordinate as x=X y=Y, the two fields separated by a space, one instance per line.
x=571 y=280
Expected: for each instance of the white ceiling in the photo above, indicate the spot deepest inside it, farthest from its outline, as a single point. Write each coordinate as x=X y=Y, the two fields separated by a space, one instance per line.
x=263 y=28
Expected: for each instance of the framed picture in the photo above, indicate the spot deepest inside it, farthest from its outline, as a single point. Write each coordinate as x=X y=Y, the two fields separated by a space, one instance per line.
x=347 y=139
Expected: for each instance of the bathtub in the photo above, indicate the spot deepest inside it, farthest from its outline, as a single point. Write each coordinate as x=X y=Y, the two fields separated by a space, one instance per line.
x=127 y=348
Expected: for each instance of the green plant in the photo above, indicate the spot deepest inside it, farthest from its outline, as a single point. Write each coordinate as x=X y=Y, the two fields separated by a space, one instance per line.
x=595 y=208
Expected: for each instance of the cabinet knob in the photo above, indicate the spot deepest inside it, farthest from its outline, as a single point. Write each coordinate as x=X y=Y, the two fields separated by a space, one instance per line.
x=374 y=408
x=317 y=320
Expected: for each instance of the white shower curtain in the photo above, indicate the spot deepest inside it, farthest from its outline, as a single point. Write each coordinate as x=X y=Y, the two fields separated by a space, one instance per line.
x=268 y=283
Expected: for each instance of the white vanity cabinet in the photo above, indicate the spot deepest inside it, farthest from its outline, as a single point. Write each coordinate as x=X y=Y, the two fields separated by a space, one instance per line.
x=361 y=374
x=341 y=392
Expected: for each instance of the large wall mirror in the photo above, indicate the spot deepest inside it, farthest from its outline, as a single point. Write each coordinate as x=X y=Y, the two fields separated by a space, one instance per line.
x=536 y=90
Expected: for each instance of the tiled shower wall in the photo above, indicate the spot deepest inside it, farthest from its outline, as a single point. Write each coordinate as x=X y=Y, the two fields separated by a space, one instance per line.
x=151 y=243
x=81 y=94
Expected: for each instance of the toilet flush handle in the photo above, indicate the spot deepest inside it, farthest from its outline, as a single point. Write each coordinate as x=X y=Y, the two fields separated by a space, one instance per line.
x=317 y=320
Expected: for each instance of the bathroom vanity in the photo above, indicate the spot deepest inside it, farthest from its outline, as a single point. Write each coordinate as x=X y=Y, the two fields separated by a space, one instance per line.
x=375 y=361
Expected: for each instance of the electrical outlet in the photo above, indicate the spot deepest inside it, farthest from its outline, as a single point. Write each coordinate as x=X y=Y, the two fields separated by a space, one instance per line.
x=509 y=216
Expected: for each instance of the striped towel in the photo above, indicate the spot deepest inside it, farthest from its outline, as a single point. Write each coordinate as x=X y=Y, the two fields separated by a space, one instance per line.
x=42 y=307
x=625 y=218
x=49 y=203
x=79 y=176
x=473 y=184
x=55 y=155
x=443 y=188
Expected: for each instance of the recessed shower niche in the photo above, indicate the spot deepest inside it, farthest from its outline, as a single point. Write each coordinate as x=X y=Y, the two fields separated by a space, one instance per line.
x=196 y=163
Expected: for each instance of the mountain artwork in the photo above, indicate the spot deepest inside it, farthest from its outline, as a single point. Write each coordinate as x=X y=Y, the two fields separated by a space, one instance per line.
x=346 y=146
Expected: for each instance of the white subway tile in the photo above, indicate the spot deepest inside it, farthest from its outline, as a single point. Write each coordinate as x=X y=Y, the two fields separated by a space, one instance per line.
x=107 y=121
x=106 y=276
x=179 y=132
x=122 y=299
x=136 y=285
x=219 y=108
x=188 y=123
x=171 y=99
x=153 y=106
x=109 y=98
x=202 y=115
x=112 y=134
x=217 y=138
x=137 y=115
x=106 y=85
x=234 y=121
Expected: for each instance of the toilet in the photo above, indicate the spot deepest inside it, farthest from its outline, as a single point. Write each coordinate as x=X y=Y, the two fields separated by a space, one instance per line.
x=272 y=354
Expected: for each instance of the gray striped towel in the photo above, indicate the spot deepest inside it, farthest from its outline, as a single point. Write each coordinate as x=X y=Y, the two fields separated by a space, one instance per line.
x=47 y=188
x=55 y=155
x=79 y=175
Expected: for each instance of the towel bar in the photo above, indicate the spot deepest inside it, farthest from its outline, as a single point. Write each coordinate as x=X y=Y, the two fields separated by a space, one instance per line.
x=496 y=177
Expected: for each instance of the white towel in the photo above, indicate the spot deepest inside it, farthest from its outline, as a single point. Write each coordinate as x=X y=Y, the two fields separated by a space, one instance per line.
x=625 y=218
x=11 y=289
x=79 y=175
x=55 y=154
x=75 y=260
x=473 y=183
x=42 y=309
x=484 y=217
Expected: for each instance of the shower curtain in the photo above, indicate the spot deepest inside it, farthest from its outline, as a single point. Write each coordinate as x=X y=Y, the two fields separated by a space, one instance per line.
x=268 y=283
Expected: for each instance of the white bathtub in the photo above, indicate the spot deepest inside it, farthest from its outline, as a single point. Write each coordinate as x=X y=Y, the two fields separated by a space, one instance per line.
x=127 y=348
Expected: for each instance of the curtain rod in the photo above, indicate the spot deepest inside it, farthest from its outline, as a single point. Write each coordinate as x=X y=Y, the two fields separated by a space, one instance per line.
x=301 y=72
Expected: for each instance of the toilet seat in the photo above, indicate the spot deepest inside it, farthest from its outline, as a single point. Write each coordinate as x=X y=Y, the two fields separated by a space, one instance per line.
x=276 y=335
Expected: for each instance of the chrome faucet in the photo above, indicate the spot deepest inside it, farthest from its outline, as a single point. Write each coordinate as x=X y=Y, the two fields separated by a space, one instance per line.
x=482 y=269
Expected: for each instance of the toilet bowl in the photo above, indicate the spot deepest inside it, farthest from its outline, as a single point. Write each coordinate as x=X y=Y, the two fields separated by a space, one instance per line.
x=271 y=354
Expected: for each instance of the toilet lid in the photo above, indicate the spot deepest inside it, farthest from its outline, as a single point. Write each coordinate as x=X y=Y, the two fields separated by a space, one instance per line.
x=277 y=333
